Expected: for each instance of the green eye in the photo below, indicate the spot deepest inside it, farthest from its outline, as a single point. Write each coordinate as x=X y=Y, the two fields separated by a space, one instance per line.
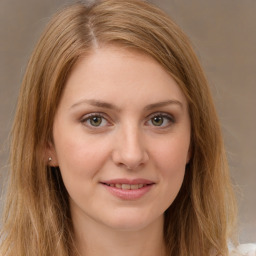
x=157 y=120
x=95 y=121
x=161 y=120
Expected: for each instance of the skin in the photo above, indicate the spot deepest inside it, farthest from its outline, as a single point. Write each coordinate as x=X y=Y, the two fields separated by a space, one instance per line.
x=141 y=131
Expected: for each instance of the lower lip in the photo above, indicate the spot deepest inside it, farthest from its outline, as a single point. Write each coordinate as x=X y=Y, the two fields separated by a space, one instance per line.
x=129 y=194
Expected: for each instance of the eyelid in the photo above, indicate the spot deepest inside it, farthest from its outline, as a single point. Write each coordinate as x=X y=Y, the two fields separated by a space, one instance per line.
x=170 y=117
x=86 y=117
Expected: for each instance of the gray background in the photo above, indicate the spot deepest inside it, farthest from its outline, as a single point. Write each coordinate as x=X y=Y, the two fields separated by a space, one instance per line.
x=223 y=33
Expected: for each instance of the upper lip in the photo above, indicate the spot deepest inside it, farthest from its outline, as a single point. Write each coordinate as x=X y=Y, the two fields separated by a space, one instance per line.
x=128 y=181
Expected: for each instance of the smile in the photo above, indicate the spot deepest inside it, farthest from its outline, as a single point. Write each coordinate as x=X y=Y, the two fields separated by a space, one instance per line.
x=127 y=186
x=128 y=189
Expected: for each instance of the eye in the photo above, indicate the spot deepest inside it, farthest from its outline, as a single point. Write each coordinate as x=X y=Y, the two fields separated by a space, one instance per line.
x=160 y=120
x=94 y=120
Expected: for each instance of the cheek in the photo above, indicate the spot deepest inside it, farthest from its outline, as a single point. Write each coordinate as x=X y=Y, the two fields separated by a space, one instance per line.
x=80 y=157
x=171 y=159
x=80 y=161
x=171 y=155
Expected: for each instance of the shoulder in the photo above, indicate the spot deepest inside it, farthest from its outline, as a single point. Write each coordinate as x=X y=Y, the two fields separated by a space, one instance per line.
x=243 y=250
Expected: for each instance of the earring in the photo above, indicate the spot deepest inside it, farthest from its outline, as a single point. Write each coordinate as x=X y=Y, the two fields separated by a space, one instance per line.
x=49 y=159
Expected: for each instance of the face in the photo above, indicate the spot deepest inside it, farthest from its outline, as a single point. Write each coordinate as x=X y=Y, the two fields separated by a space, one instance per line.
x=121 y=139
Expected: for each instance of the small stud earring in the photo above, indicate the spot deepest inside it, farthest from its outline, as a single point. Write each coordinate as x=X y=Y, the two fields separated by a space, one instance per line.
x=49 y=159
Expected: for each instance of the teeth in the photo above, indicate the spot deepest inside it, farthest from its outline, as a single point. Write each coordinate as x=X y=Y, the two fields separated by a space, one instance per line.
x=127 y=186
x=135 y=186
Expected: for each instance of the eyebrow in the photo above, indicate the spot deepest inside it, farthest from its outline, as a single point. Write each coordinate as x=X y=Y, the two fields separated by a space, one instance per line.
x=164 y=104
x=95 y=103
x=103 y=104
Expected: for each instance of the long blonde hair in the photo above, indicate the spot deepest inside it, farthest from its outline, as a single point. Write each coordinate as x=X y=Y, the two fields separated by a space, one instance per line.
x=37 y=219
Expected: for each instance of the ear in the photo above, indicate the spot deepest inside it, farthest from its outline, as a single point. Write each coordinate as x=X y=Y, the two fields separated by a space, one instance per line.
x=50 y=155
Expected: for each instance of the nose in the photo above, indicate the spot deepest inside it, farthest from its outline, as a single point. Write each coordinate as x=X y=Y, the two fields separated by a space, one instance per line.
x=129 y=149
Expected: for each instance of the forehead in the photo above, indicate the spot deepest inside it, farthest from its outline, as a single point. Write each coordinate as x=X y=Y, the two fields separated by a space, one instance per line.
x=118 y=74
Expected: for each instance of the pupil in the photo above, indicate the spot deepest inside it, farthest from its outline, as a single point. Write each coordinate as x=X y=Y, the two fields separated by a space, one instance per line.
x=158 y=120
x=96 y=121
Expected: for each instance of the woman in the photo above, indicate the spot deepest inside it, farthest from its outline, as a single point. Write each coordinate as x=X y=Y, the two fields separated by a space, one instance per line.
x=116 y=146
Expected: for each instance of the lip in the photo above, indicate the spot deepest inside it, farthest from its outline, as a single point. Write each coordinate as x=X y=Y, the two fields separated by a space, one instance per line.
x=128 y=181
x=128 y=194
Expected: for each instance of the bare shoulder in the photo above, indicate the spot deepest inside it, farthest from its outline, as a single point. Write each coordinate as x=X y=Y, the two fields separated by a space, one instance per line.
x=244 y=250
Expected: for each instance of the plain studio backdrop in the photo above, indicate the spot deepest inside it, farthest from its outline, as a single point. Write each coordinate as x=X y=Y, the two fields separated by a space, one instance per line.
x=223 y=33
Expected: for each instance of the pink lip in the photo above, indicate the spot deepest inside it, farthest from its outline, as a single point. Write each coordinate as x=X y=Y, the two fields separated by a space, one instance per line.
x=132 y=194
x=128 y=181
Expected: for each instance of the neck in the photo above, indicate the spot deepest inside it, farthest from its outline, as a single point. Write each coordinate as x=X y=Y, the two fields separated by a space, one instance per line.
x=92 y=239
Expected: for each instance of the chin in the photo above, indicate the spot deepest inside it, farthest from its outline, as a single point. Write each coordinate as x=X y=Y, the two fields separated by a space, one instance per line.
x=129 y=221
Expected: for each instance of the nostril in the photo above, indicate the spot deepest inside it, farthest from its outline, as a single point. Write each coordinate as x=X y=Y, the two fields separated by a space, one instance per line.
x=129 y=151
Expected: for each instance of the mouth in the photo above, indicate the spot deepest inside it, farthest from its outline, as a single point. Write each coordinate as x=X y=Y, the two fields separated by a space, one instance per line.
x=128 y=189
x=126 y=186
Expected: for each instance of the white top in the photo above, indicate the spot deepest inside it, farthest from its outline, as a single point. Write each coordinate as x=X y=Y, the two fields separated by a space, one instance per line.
x=243 y=250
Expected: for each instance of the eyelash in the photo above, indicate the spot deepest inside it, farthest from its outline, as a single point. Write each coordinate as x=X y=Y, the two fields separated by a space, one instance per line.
x=89 y=117
x=166 y=117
